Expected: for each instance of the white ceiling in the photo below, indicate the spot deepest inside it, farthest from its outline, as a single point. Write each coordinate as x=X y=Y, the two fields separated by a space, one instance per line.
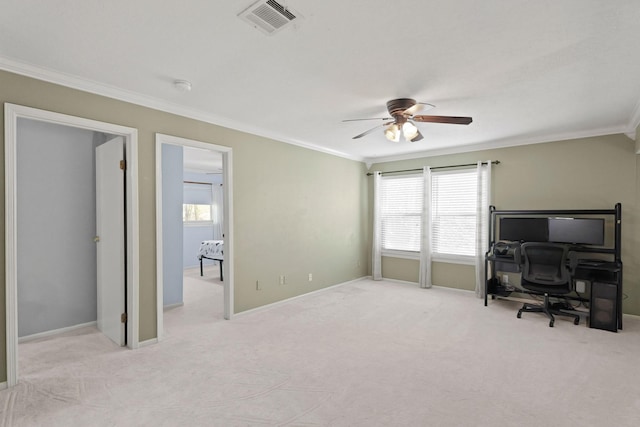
x=526 y=71
x=201 y=160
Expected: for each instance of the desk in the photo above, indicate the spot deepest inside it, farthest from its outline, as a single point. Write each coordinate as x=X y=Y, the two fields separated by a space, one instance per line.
x=601 y=272
x=608 y=271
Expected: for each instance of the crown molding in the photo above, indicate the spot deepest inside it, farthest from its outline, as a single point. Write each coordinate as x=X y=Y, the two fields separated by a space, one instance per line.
x=97 y=88
x=634 y=121
x=501 y=143
x=631 y=135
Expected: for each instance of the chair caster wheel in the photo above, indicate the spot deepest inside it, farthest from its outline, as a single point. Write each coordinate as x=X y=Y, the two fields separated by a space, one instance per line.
x=577 y=321
x=519 y=314
x=551 y=324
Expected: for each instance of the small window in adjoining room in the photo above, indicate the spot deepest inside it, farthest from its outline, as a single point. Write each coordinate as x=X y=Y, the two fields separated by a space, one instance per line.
x=196 y=213
x=197 y=204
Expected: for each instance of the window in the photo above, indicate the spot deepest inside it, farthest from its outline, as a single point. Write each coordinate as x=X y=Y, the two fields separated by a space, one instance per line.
x=453 y=214
x=197 y=203
x=454 y=199
x=196 y=213
x=401 y=212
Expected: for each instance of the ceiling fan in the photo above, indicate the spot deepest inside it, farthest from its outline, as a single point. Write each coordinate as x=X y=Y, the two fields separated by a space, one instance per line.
x=402 y=113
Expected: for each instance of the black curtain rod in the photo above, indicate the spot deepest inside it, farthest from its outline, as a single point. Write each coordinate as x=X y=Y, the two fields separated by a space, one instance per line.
x=495 y=162
x=198 y=182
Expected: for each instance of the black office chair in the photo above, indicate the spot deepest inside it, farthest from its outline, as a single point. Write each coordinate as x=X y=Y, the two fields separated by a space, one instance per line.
x=545 y=270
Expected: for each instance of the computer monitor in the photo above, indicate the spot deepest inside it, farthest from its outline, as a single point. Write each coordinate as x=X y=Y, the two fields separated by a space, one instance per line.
x=524 y=229
x=578 y=231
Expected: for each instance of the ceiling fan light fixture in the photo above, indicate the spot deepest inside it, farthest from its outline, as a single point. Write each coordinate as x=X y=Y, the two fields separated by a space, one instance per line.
x=403 y=115
x=409 y=130
x=392 y=133
x=418 y=137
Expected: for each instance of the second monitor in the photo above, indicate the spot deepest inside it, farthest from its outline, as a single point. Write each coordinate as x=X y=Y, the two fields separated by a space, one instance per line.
x=578 y=231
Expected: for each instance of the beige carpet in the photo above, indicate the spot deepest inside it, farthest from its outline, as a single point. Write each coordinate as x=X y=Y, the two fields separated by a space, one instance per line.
x=203 y=303
x=364 y=354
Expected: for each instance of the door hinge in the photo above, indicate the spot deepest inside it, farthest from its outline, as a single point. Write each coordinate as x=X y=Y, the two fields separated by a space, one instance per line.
x=123 y=164
x=123 y=318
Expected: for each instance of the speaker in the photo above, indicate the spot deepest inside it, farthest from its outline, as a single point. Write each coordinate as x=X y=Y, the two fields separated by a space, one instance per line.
x=603 y=312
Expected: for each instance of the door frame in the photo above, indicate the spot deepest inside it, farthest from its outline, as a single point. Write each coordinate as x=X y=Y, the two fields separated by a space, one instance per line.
x=12 y=113
x=227 y=190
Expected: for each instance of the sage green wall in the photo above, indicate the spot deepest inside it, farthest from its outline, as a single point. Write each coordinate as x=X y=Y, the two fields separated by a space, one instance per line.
x=299 y=212
x=296 y=211
x=588 y=173
x=443 y=274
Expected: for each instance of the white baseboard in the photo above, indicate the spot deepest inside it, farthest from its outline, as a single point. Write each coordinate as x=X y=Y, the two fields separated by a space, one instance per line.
x=274 y=304
x=415 y=284
x=401 y=282
x=3 y=385
x=55 y=332
x=449 y=288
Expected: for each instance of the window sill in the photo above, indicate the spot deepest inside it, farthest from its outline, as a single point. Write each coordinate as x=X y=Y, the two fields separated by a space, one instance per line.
x=446 y=258
x=401 y=254
x=197 y=223
x=454 y=259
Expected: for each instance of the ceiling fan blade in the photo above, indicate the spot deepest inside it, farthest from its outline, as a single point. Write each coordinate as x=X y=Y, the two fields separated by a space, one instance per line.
x=368 y=131
x=377 y=118
x=443 y=119
x=419 y=106
x=418 y=137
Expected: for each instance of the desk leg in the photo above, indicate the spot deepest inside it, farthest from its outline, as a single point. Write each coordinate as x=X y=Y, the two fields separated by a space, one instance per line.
x=619 y=302
x=486 y=278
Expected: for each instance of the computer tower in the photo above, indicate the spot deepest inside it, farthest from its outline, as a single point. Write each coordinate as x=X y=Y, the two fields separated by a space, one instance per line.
x=603 y=312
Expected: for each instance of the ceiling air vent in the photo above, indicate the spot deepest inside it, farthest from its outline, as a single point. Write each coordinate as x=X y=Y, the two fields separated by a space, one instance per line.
x=269 y=16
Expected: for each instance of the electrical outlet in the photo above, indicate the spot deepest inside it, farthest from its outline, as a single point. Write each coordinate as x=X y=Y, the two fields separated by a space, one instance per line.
x=505 y=279
x=282 y=280
x=258 y=286
x=310 y=277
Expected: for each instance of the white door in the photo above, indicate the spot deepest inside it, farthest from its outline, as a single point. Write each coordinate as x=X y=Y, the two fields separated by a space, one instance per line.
x=110 y=239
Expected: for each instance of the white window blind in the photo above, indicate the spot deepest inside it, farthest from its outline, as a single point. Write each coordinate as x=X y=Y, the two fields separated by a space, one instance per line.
x=197 y=194
x=453 y=214
x=197 y=202
x=400 y=212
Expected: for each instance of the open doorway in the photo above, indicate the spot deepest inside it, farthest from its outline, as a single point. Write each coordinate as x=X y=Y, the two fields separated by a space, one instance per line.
x=193 y=205
x=71 y=299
